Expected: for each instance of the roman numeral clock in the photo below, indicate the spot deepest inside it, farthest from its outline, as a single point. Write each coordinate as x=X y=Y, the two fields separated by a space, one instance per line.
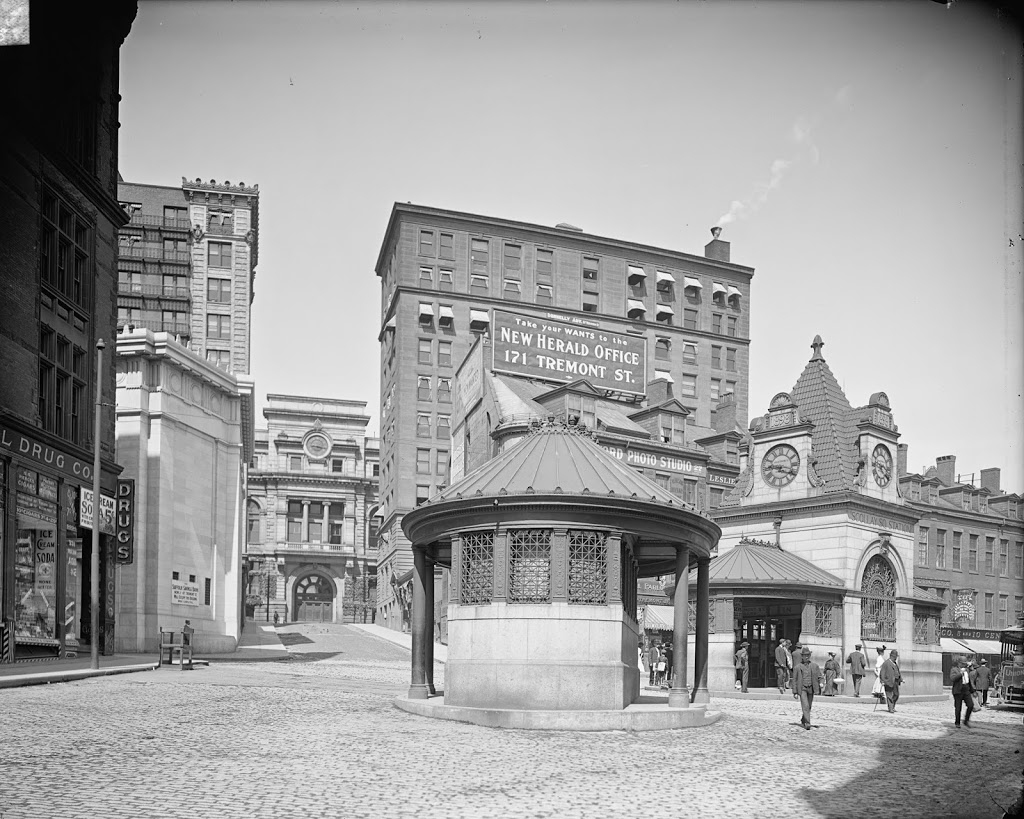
x=780 y=465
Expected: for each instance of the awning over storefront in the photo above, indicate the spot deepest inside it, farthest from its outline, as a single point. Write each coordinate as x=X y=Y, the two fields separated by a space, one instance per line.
x=658 y=618
x=952 y=645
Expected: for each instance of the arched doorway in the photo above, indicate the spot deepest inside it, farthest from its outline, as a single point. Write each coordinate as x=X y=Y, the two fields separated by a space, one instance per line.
x=878 y=604
x=314 y=599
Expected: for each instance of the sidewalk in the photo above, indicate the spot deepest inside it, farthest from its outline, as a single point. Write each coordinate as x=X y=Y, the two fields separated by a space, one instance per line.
x=42 y=672
x=258 y=643
x=401 y=638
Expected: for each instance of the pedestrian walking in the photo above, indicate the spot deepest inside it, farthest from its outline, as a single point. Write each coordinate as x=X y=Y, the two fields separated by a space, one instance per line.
x=891 y=679
x=742 y=660
x=666 y=652
x=781 y=666
x=831 y=672
x=640 y=658
x=858 y=668
x=876 y=687
x=796 y=654
x=653 y=655
x=806 y=683
x=789 y=663
x=983 y=675
x=960 y=679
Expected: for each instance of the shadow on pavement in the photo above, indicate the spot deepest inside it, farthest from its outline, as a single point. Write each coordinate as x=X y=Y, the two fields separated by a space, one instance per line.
x=292 y=638
x=954 y=790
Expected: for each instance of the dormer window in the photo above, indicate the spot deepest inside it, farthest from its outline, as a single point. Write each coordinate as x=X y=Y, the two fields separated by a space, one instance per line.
x=582 y=408
x=673 y=430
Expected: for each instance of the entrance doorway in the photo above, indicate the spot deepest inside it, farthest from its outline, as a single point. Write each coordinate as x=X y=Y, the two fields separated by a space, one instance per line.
x=314 y=600
x=762 y=623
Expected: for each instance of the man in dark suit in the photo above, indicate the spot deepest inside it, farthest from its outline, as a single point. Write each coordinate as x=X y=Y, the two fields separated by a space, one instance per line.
x=781 y=666
x=962 y=688
x=806 y=683
x=983 y=680
x=891 y=679
x=858 y=667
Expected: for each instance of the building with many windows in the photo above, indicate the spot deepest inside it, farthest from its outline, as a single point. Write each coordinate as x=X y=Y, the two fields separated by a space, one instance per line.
x=59 y=218
x=187 y=264
x=659 y=337
x=969 y=550
x=312 y=504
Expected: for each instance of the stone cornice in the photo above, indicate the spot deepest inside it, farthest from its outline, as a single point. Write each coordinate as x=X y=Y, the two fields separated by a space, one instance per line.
x=838 y=501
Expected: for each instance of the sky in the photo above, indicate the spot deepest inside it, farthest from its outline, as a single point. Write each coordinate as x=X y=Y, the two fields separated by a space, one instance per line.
x=864 y=158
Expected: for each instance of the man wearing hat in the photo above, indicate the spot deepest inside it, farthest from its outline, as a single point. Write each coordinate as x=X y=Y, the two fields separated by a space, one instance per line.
x=960 y=679
x=983 y=680
x=782 y=665
x=806 y=683
x=742 y=659
x=891 y=679
x=858 y=666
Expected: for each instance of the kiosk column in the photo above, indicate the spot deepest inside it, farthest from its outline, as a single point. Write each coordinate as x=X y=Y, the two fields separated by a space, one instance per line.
x=700 y=646
x=679 y=697
x=418 y=687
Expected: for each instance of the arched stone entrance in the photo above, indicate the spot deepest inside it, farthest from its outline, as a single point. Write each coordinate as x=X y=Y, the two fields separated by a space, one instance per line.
x=878 y=601
x=314 y=599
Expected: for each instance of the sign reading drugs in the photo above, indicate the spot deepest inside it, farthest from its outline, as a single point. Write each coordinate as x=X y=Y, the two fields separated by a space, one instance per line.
x=125 y=520
x=556 y=349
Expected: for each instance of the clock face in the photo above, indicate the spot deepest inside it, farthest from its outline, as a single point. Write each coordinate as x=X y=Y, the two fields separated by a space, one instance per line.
x=780 y=465
x=317 y=446
x=881 y=465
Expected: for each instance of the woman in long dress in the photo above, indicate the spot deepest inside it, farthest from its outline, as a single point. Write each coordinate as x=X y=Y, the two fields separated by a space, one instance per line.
x=831 y=672
x=878 y=689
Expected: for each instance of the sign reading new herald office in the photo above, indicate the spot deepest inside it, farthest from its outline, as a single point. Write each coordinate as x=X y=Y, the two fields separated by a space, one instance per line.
x=557 y=349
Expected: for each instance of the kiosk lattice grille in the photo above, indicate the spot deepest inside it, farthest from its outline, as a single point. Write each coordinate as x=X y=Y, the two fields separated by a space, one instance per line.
x=529 y=562
x=588 y=568
x=477 y=568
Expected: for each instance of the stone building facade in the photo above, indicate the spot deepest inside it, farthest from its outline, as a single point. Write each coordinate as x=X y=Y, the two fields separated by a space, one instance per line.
x=312 y=501
x=828 y=541
x=449 y=277
x=180 y=439
x=59 y=218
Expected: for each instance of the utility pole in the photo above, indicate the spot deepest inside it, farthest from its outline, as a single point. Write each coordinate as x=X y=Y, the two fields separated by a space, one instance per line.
x=94 y=580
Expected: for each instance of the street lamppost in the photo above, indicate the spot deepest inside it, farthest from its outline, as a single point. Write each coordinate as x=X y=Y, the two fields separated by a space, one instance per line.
x=94 y=566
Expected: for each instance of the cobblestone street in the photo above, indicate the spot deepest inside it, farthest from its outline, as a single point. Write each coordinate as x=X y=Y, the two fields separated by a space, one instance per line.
x=318 y=735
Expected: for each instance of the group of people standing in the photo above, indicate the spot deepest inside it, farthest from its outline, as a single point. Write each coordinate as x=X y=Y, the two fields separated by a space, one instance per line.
x=658 y=659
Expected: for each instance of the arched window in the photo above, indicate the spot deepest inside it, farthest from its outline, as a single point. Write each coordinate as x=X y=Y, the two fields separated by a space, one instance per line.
x=255 y=515
x=878 y=605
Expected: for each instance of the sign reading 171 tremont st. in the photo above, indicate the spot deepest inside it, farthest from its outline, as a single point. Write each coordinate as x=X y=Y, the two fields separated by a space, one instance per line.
x=559 y=348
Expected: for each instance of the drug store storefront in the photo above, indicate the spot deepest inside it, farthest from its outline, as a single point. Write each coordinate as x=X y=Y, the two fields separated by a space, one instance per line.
x=46 y=549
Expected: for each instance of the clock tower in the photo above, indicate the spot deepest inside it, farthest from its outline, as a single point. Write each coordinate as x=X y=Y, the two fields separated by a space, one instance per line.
x=876 y=446
x=781 y=460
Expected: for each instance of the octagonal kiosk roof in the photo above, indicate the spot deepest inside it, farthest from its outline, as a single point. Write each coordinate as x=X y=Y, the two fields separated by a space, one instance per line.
x=559 y=475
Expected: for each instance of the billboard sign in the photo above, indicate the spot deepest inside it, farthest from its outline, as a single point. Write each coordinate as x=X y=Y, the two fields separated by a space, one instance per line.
x=558 y=348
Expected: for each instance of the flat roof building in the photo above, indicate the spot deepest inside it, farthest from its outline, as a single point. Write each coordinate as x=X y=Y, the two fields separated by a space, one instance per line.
x=680 y=324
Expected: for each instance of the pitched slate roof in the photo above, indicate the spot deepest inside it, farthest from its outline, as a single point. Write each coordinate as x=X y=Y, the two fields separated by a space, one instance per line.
x=557 y=459
x=757 y=563
x=834 y=437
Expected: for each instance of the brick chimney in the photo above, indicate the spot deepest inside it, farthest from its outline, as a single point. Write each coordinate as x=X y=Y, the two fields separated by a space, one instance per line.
x=717 y=249
x=725 y=413
x=658 y=391
x=901 y=460
x=990 y=480
x=945 y=466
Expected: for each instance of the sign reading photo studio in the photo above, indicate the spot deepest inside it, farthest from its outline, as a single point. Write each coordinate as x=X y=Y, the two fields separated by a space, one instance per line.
x=557 y=348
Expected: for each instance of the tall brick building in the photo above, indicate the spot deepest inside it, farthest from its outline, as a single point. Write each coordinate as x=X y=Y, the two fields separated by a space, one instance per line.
x=186 y=265
x=679 y=323
x=59 y=217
